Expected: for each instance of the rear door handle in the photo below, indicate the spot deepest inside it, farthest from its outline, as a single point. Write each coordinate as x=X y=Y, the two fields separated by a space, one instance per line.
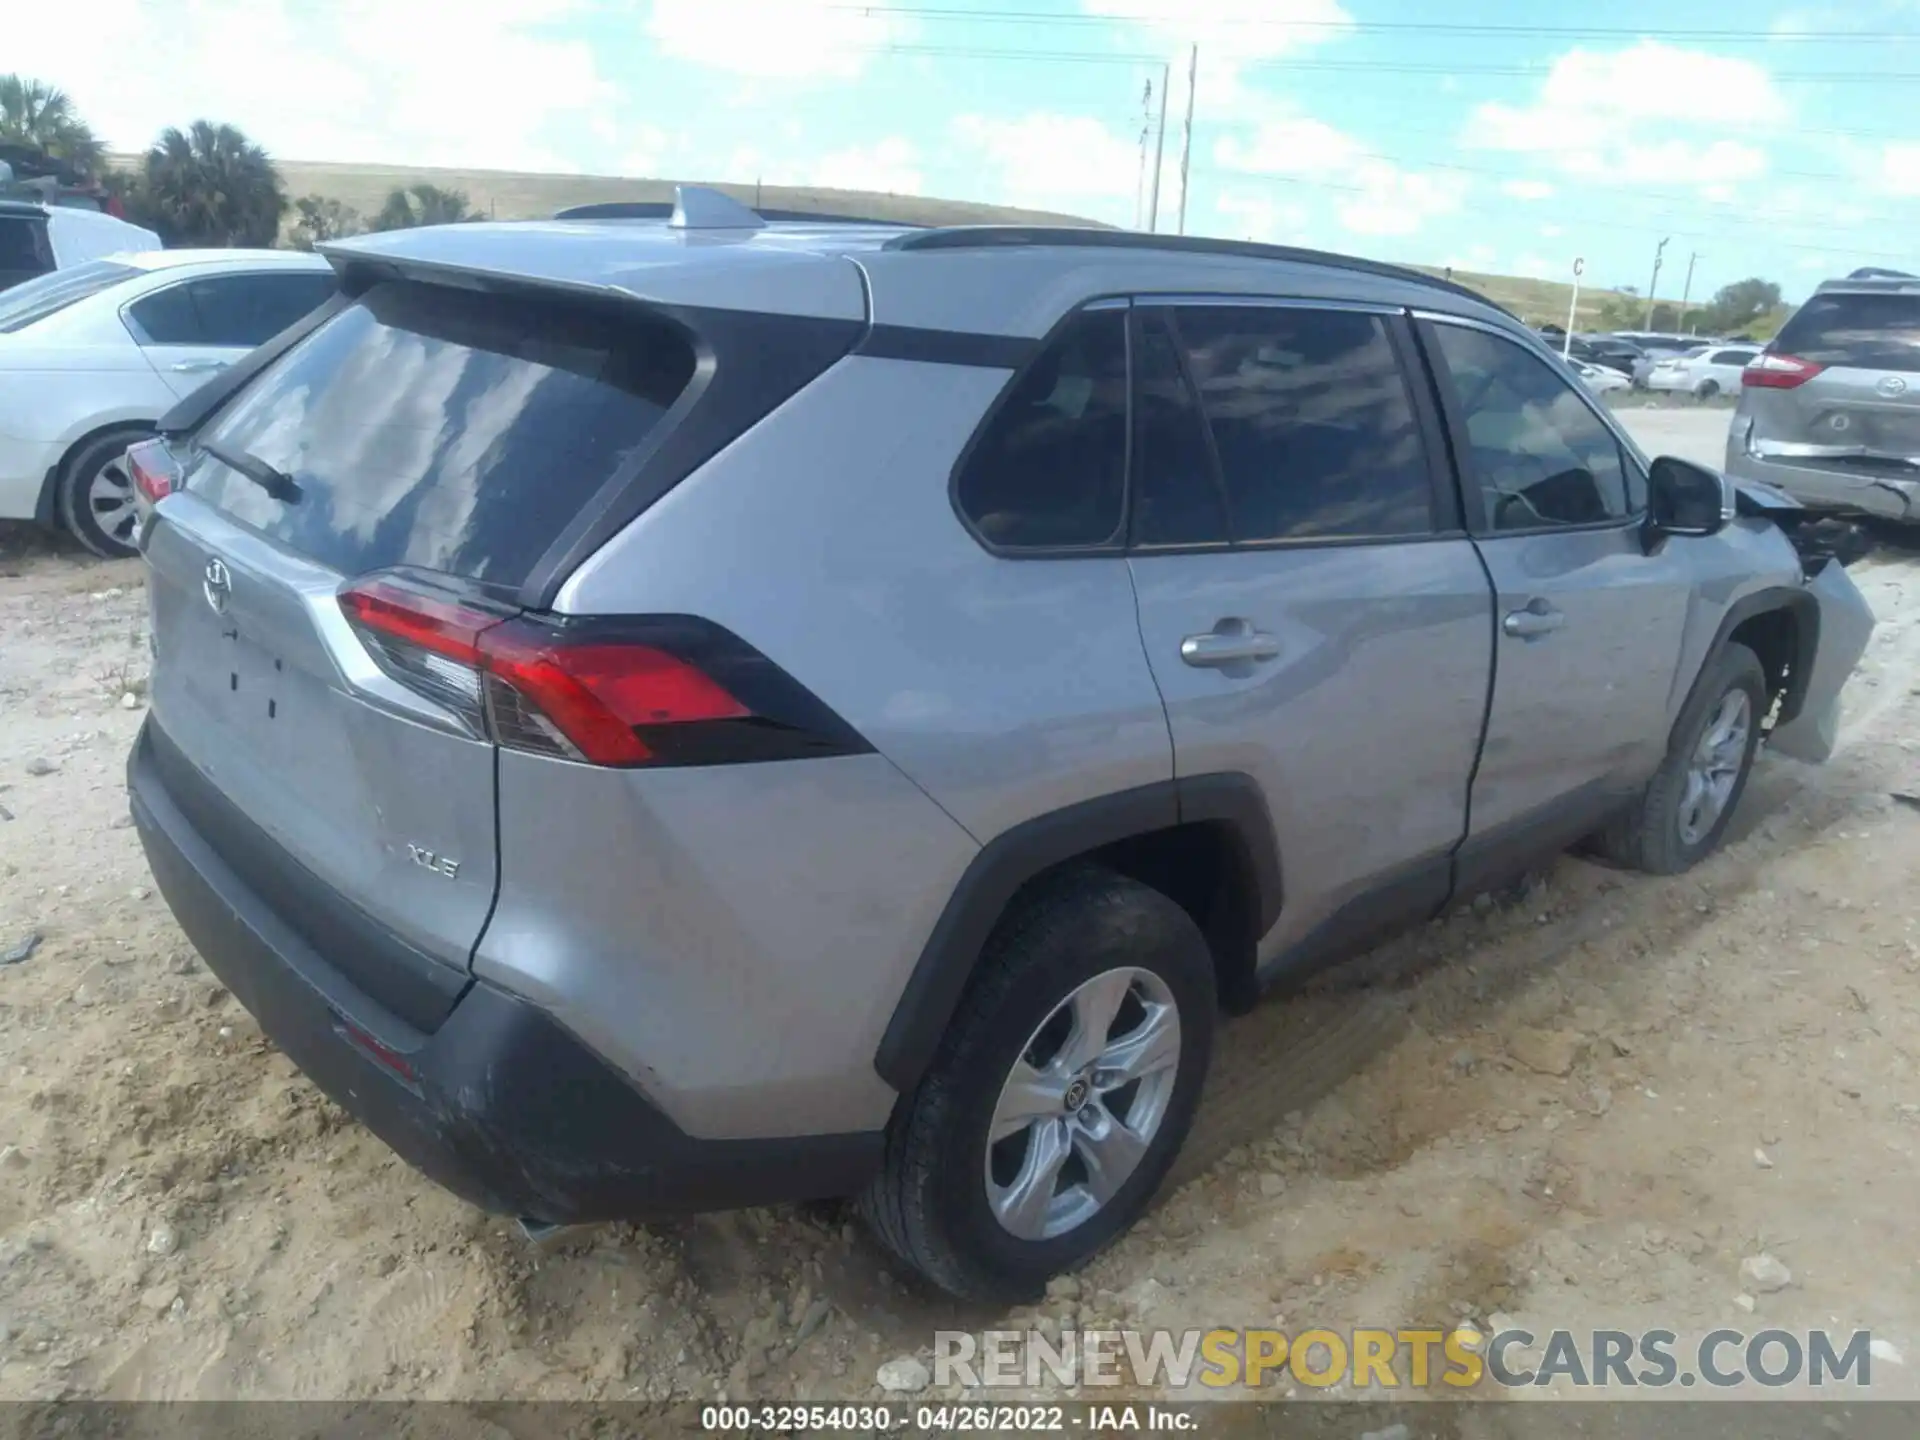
x=196 y=367
x=1537 y=619
x=1219 y=648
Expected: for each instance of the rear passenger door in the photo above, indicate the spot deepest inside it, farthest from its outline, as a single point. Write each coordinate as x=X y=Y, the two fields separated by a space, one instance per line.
x=1313 y=611
x=195 y=329
x=1590 y=623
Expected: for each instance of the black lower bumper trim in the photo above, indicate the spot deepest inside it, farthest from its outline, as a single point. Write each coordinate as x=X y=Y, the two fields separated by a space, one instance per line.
x=500 y=1104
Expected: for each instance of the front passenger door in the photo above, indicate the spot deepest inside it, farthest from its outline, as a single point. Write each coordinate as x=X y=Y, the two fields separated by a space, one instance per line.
x=1589 y=624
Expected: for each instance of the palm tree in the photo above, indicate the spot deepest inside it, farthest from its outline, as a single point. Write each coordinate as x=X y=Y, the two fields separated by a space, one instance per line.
x=34 y=113
x=423 y=205
x=210 y=185
x=322 y=218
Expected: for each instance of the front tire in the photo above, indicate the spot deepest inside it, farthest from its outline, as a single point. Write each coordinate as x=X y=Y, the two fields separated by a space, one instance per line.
x=1059 y=1095
x=97 y=503
x=1685 y=809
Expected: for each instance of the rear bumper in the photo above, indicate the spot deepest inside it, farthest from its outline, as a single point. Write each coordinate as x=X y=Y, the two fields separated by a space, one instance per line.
x=499 y=1104
x=25 y=466
x=1854 y=490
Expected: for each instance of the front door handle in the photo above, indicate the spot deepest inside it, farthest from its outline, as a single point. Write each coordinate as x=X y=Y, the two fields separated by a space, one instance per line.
x=1233 y=642
x=1537 y=619
x=197 y=367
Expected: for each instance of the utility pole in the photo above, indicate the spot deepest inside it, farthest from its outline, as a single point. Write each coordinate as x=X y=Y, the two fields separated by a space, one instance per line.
x=1573 y=309
x=1159 y=150
x=1146 y=145
x=1654 y=284
x=1186 y=142
x=1686 y=292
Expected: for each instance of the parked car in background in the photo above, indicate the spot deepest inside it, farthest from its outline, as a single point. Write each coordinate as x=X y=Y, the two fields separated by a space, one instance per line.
x=37 y=238
x=1601 y=350
x=1704 y=371
x=1830 y=411
x=1600 y=379
x=1656 y=346
x=91 y=357
x=603 y=879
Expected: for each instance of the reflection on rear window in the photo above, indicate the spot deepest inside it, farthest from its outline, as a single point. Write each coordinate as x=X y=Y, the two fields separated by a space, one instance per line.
x=1871 y=332
x=445 y=429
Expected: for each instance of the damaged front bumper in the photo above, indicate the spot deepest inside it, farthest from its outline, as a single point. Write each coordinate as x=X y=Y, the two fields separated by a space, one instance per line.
x=1846 y=624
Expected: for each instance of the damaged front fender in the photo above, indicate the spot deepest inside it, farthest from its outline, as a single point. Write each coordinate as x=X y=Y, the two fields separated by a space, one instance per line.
x=1846 y=625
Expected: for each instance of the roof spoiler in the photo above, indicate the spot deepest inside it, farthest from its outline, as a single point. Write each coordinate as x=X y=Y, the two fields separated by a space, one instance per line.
x=700 y=207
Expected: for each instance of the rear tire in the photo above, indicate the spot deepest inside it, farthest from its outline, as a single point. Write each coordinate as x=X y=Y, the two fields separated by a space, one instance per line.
x=1685 y=809
x=986 y=1218
x=97 y=503
x=1706 y=390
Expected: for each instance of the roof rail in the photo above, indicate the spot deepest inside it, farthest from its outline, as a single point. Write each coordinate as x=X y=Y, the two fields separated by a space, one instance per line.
x=978 y=237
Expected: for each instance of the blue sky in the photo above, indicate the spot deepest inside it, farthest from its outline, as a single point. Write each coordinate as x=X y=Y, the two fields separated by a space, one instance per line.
x=1488 y=134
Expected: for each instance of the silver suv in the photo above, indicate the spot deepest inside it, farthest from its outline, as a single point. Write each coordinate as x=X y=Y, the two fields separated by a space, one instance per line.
x=660 y=716
x=1831 y=411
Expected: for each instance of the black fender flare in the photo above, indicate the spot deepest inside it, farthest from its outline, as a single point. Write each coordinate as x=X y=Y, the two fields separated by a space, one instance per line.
x=1016 y=856
x=1806 y=613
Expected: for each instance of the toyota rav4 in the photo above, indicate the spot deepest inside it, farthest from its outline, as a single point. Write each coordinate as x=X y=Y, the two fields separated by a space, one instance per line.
x=656 y=716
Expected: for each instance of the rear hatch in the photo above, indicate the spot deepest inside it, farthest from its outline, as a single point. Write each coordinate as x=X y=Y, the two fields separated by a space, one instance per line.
x=1840 y=387
x=381 y=491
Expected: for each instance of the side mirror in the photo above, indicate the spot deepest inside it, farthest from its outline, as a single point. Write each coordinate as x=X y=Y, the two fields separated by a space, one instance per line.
x=1686 y=499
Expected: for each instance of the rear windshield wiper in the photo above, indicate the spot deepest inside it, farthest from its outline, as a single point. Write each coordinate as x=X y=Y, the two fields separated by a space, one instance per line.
x=277 y=483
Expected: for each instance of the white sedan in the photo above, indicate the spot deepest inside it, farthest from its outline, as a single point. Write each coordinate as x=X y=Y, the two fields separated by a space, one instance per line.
x=1704 y=371
x=1599 y=379
x=91 y=357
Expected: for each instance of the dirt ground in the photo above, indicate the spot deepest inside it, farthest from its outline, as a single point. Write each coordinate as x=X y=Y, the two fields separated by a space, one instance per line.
x=1579 y=1104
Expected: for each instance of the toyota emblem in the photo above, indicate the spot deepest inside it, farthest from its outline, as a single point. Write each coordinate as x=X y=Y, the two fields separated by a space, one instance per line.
x=217 y=586
x=1892 y=385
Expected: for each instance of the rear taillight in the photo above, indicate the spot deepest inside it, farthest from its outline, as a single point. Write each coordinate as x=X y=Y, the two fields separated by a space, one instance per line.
x=1779 y=372
x=661 y=690
x=151 y=470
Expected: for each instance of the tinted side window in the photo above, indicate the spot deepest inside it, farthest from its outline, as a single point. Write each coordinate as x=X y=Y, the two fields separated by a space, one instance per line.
x=1730 y=357
x=1873 y=332
x=24 y=252
x=1311 y=421
x=1050 y=469
x=251 y=309
x=1538 y=454
x=167 y=317
x=1176 y=490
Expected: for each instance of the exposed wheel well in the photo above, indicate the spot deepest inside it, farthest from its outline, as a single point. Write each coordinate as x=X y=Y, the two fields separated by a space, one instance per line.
x=1774 y=636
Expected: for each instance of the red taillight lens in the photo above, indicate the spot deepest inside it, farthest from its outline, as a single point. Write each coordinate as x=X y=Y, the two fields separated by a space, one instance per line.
x=1779 y=372
x=627 y=692
x=152 y=477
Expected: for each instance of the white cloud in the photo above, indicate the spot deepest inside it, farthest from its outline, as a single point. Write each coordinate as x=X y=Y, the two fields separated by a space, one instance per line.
x=1634 y=117
x=1898 y=171
x=1231 y=34
x=1552 y=232
x=777 y=39
x=891 y=166
x=1478 y=257
x=1538 y=267
x=1527 y=189
x=1375 y=196
x=1051 y=161
x=389 y=80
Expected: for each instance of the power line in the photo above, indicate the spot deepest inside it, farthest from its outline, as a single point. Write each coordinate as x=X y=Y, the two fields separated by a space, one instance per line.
x=1366 y=27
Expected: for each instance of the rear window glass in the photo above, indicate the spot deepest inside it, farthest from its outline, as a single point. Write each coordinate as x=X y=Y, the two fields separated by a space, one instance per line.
x=1869 y=332
x=445 y=429
x=26 y=304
